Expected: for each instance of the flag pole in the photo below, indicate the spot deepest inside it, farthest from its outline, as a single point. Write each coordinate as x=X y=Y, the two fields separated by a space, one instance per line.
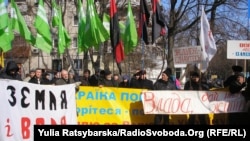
x=142 y=44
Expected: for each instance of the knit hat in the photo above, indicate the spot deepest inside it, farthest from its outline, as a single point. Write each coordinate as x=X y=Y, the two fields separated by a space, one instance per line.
x=236 y=68
x=107 y=72
x=167 y=72
x=142 y=72
x=240 y=74
x=195 y=74
x=125 y=77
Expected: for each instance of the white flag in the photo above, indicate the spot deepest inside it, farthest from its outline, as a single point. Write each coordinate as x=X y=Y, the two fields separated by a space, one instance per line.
x=207 y=42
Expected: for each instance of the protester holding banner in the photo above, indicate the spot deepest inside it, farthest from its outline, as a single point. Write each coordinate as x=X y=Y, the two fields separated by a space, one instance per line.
x=96 y=77
x=85 y=80
x=195 y=83
x=236 y=69
x=236 y=87
x=11 y=71
x=246 y=94
x=108 y=81
x=38 y=78
x=134 y=83
x=125 y=82
x=64 y=78
x=165 y=83
x=145 y=83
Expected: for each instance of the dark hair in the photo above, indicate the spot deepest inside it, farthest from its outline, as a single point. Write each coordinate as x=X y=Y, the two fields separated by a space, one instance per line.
x=195 y=74
x=236 y=68
x=87 y=70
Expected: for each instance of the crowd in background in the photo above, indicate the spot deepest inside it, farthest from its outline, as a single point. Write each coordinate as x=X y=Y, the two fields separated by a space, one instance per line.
x=236 y=83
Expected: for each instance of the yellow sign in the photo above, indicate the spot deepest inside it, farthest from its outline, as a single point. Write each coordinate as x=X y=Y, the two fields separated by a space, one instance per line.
x=120 y=106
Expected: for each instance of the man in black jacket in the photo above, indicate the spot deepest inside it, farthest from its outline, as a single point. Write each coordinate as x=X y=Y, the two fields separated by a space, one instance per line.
x=165 y=83
x=11 y=71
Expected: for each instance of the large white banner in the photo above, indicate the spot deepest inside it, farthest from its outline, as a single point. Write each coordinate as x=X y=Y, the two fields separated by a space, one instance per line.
x=25 y=104
x=192 y=102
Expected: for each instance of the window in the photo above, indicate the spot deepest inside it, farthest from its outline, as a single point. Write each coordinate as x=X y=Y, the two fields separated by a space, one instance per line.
x=55 y=43
x=75 y=20
x=74 y=43
x=78 y=64
x=57 y=64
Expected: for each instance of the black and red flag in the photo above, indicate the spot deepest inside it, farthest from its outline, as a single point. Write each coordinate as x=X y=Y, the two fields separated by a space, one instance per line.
x=158 y=25
x=116 y=43
x=143 y=21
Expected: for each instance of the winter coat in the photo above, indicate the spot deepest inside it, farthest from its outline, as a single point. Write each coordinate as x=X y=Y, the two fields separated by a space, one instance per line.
x=164 y=85
x=6 y=73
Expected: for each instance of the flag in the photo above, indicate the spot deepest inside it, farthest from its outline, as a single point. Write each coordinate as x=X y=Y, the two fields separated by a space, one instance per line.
x=55 y=14
x=106 y=22
x=18 y=24
x=43 y=37
x=63 y=36
x=130 y=37
x=94 y=29
x=207 y=42
x=116 y=42
x=81 y=27
x=6 y=37
x=158 y=25
x=3 y=15
x=143 y=21
x=64 y=39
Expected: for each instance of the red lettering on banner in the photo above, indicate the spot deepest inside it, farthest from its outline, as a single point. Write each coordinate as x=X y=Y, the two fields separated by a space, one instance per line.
x=244 y=45
x=149 y=99
x=167 y=105
x=26 y=124
x=9 y=134
x=210 y=97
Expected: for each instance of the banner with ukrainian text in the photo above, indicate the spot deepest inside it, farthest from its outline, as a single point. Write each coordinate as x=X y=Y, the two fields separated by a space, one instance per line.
x=24 y=105
x=192 y=102
x=109 y=106
x=123 y=106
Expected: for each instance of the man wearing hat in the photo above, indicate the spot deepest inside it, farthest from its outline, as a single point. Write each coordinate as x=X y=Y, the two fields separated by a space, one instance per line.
x=236 y=69
x=196 y=84
x=163 y=84
x=125 y=82
x=143 y=82
x=108 y=80
x=236 y=86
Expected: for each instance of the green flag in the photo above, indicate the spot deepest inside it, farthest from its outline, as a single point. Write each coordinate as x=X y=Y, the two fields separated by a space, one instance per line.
x=6 y=37
x=130 y=38
x=94 y=30
x=63 y=36
x=55 y=16
x=81 y=27
x=106 y=24
x=43 y=37
x=3 y=15
x=18 y=23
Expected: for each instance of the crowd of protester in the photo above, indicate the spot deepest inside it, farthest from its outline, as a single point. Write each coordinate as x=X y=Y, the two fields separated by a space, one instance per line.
x=236 y=83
